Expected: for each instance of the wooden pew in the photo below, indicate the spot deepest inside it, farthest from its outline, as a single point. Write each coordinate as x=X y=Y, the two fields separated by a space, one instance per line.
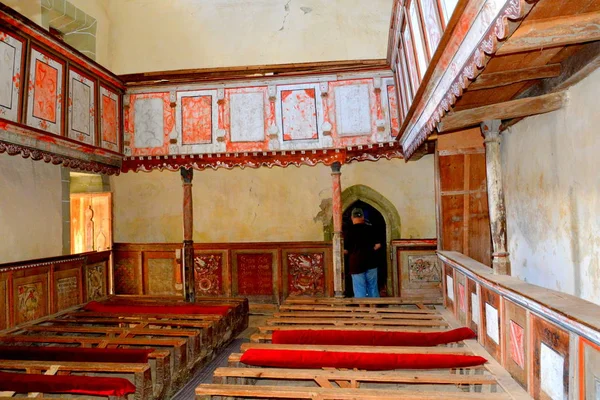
x=353 y=309
x=360 y=349
x=270 y=328
x=371 y=302
x=345 y=315
x=140 y=374
x=356 y=321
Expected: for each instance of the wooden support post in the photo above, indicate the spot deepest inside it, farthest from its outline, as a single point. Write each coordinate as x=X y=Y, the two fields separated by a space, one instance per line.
x=491 y=133
x=187 y=174
x=338 y=241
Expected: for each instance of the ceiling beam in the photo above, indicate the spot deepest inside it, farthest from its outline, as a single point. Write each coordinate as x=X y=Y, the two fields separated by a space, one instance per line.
x=510 y=109
x=497 y=79
x=553 y=32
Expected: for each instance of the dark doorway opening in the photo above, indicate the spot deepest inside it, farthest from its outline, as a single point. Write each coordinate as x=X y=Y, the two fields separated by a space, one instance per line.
x=374 y=218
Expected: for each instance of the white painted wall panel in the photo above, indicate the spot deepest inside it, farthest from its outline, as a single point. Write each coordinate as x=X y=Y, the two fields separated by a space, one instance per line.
x=149 y=123
x=247 y=117
x=353 y=110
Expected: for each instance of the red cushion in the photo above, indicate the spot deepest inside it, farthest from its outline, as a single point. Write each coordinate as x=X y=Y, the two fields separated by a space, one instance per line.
x=143 y=309
x=79 y=354
x=365 y=361
x=87 y=385
x=371 y=338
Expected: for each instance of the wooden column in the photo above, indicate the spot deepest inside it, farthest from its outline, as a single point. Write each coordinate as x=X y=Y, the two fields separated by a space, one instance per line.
x=338 y=241
x=187 y=175
x=493 y=164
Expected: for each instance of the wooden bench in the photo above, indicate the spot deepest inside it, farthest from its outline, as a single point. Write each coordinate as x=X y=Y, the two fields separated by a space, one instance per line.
x=371 y=302
x=353 y=309
x=270 y=328
x=356 y=321
x=347 y=315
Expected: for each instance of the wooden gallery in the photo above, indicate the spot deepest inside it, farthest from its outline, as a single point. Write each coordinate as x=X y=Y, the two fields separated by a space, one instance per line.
x=300 y=199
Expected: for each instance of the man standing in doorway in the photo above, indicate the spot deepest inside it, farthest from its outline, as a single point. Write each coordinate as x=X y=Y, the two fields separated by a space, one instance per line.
x=361 y=244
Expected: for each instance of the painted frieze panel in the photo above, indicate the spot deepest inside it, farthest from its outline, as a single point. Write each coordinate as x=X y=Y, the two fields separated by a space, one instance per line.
x=45 y=92
x=161 y=276
x=589 y=374
x=249 y=119
x=149 y=124
x=208 y=268
x=254 y=274
x=30 y=298
x=95 y=281
x=4 y=302
x=433 y=25
x=82 y=107
x=516 y=343
x=67 y=288
x=419 y=273
x=11 y=80
x=109 y=119
x=550 y=360
x=423 y=268
x=127 y=273
x=197 y=115
x=299 y=115
x=490 y=321
x=394 y=109
x=353 y=110
x=305 y=273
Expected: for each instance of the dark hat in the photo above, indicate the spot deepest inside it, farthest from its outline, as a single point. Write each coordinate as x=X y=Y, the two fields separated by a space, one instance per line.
x=357 y=213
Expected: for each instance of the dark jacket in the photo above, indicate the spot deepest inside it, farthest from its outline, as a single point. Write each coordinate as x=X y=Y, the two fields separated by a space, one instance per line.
x=360 y=240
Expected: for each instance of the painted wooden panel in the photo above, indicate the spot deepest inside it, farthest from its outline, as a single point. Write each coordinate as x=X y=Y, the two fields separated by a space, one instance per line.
x=150 y=122
x=128 y=273
x=67 y=286
x=196 y=120
x=109 y=119
x=161 y=276
x=490 y=322
x=433 y=26
x=45 y=92
x=82 y=107
x=517 y=347
x=305 y=273
x=420 y=273
x=299 y=114
x=31 y=300
x=247 y=117
x=4 y=304
x=589 y=370
x=11 y=64
x=449 y=288
x=461 y=293
x=255 y=274
x=419 y=41
x=550 y=360
x=96 y=281
x=353 y=110
x=411 y=61
x=209 y=269
x=394 y=108
x=474 y=306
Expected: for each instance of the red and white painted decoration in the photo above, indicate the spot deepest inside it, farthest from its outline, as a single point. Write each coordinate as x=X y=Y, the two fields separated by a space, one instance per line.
x=517 y=344
x=44 y=93
x=11 y=56
x=492 y=323
x=310 y=113
x=82 y=107
x=109 y=119
x=461 y=297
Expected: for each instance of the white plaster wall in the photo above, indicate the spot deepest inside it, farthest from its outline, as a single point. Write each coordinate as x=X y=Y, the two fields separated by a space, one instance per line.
x=278 y=204
x=30 y=209
x=32 y=9
x=154 y=35
x=551 y=165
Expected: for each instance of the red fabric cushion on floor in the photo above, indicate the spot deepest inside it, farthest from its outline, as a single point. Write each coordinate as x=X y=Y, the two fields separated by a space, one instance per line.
x=143 y=309
x=371 y=338
x=366 y=361
x=80 y=354
x=87 y=385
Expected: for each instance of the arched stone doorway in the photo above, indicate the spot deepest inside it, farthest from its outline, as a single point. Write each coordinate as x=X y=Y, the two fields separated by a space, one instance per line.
x=389 y=213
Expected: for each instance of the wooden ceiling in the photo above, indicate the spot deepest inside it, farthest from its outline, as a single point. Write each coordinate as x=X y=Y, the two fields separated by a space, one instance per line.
x=554 y=47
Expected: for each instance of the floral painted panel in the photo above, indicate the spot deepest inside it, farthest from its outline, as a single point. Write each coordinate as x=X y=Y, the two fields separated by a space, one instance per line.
x=196 y=119
x=299 y=114
x=424 y=268
x=82 y=108
x=45 y=95
x=306 y=274
x=31 y=301
x=109 y=119
x=95 y=282
x=11 y=55
x=209 y=274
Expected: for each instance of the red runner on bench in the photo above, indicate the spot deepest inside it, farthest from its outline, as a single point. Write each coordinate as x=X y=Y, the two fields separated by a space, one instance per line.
x=365 y=361
x=143 y=309
x=371 y=338
x=77 y=354
x=88 y=385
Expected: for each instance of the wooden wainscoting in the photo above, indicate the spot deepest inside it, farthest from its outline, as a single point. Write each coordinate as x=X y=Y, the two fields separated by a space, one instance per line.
x=262 y=272
x=417 y=272
x=36 y=288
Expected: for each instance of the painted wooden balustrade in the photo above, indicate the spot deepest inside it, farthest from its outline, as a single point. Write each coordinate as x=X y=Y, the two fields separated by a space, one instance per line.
x=548 y=341
x=33 y=289
x=56 y=104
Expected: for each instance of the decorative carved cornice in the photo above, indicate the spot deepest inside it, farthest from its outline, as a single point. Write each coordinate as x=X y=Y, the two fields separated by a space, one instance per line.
x=263 y=159
x=514 y=10
x=86 y=166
